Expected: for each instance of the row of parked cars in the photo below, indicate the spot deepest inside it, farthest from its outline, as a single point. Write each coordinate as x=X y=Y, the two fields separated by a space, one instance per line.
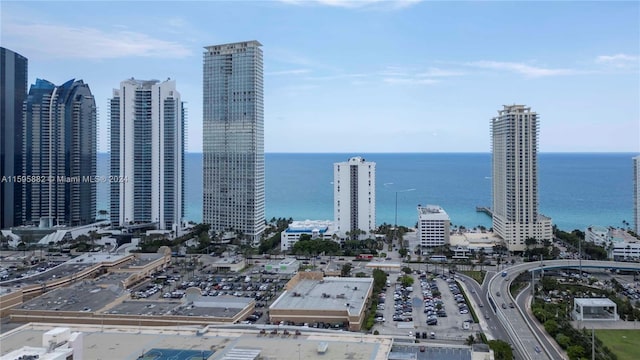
x=403 y=308
x=433 y=305
x=253 y=317
x=463 y=308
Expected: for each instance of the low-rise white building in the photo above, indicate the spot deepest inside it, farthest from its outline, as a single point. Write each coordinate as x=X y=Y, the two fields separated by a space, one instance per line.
x=433 y=226
x=57 y=344
x=600 y=309
x=624 y=250
x=598 y=235
x=317 y=229
x=620 y=245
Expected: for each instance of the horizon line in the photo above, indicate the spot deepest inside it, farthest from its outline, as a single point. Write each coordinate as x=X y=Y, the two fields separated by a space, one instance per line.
x=421 y=152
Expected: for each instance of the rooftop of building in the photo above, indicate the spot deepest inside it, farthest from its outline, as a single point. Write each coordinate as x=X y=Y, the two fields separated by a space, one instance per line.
x=474 y=239
x=128 y=342
x=594 y=302
x=86 y=295
x=227 y=260
x=141 y=260
x=598 y=228
x=249 y=43
x=434 y=212
x=307 y=226
x=620 y=235
x=329 y=293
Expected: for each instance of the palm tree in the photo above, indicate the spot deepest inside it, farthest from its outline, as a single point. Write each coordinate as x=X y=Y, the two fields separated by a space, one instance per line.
x=470 y=340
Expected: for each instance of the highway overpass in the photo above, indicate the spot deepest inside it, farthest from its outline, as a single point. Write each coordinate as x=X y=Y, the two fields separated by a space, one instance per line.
x=529 y=343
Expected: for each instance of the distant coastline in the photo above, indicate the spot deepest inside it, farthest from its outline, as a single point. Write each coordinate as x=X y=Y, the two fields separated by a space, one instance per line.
x=576 y=189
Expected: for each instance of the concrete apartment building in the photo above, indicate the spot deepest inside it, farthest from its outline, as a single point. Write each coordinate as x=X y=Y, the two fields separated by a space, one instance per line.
x=59 y=154
x=354 y=197
x=13 y=87
x=514 y=134
x=433 y=226
x=147 y=154
x=233 y=140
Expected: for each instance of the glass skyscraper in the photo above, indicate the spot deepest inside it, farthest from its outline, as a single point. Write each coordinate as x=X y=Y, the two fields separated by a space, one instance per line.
x=13 y=92
x=147 y=154
x=233 y=149
x=59 y=154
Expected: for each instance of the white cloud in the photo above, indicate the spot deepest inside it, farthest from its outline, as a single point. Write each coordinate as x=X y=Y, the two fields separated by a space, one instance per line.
x=521 y=68
x=336 y=77
x=436 y=72
x=288 y=72
x=410 y=81
x=406 y=75
x=619 y=60
x=60 y=41
x=356 y=4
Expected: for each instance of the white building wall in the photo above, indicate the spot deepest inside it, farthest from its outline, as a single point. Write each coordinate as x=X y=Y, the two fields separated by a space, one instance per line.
x=354 y=184
x=433 y=226
x=515 y=178
x=625 y=250
x=160 y=93
x=317 y=229
x=597 y=235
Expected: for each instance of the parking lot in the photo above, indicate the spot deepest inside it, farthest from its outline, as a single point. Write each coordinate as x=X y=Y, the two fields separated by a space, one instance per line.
x=406 y=311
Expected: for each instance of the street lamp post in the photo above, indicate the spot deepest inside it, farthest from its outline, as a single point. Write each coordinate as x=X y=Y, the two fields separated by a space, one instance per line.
x=396 y=218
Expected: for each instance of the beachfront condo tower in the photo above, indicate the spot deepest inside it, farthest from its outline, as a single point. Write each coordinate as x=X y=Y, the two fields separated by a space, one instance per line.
x=636 y=194
x=354 y=198
x=233 y=141
x=13 y=90
x=59 y=154
x=514 y=135
x=147 y=154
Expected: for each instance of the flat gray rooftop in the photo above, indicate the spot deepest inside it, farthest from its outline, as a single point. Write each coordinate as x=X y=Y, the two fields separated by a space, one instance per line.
x=146 y=308
x=86 y=295
x=216 y=306
x=127 y=343
x=402 y=352
x=141 y=260
x=331 y=293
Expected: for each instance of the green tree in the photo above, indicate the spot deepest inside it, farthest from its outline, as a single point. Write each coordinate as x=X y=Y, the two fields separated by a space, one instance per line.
x=575 y=352
x=551 y=327
x=407 y=270
x=470 y=340
x=406 y=280
x=346 y=270
x=501 y=350
x=563 y=340
x=379 y=280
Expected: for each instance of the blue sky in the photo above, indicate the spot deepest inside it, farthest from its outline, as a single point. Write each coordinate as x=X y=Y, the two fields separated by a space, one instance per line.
x=363 y=76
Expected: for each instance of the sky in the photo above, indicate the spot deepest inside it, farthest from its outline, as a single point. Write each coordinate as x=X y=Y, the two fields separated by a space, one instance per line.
x=362 y=76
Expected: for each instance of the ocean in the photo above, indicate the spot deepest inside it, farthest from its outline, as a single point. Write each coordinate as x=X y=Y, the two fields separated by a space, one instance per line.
x=575 y=189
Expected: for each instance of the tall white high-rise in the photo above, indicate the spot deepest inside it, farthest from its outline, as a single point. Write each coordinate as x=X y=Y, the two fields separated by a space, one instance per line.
x=636 y=193
x=147 y=154
x=233 y=140
x=354 y=197
x=515 y=178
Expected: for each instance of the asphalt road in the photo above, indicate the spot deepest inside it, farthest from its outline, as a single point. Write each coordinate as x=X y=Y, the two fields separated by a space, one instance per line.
x=531 y=343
